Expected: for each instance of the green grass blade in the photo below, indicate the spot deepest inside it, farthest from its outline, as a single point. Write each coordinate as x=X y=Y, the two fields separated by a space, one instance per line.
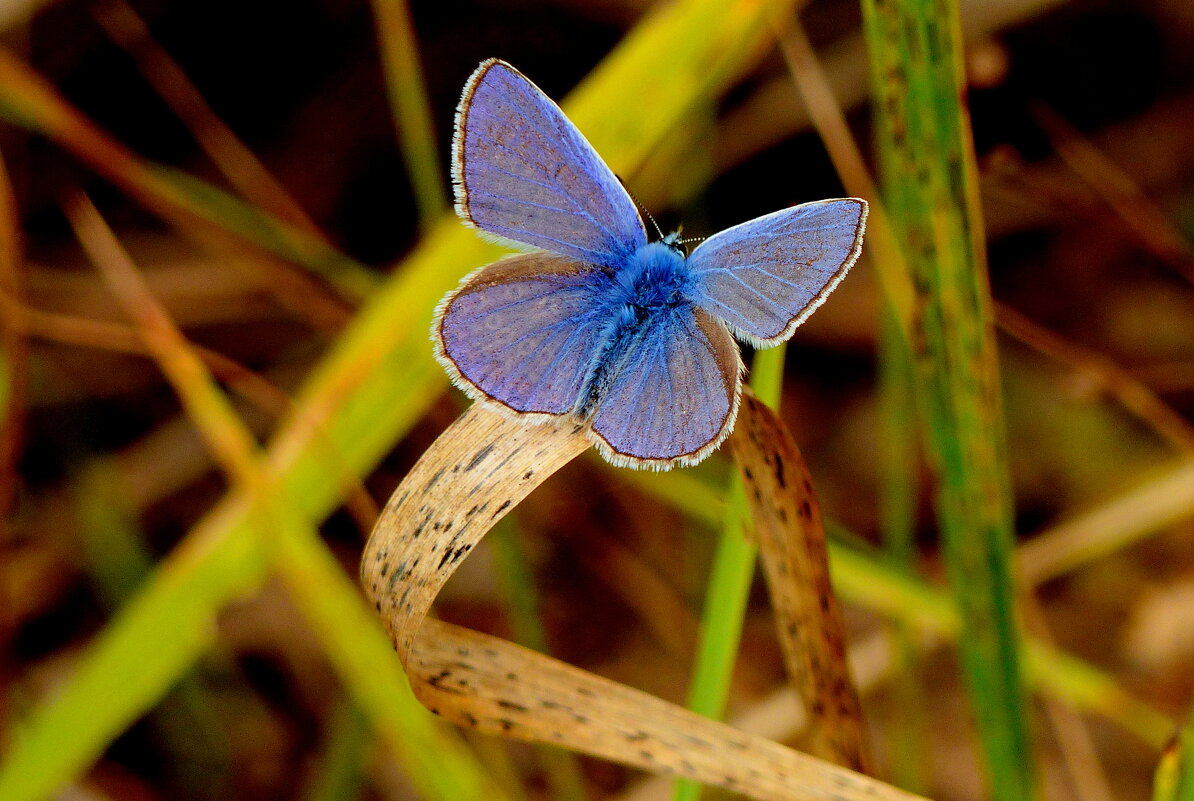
x=433 y=754
x=931 y=190
x=730 y=579
x=409 y=107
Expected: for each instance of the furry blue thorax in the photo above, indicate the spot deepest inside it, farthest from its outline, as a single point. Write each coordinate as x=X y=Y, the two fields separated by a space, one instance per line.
x=655 y=278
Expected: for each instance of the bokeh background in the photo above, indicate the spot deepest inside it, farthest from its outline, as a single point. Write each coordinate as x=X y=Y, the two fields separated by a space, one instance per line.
x=1083 y=116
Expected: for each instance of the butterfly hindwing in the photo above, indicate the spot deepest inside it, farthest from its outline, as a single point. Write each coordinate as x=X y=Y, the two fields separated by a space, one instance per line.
x=523 y=172
x=766 y=276
x=669 y=397
x=524 y=331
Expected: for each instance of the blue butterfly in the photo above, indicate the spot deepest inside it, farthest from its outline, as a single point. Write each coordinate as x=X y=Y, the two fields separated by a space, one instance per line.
x=630 y=337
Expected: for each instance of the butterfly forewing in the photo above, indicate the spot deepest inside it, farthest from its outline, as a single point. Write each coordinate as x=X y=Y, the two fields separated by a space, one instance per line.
x=524 y=332
x=525 y=173
x=670 y=396
x=766 y=276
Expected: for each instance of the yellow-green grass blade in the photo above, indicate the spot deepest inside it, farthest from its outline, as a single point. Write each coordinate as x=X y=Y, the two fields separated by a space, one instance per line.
x=377 y=381
x=117 y=562
x=437 y=764
x=149 y=645
x=930 y=187
x=434 y=756
x=1184 y=770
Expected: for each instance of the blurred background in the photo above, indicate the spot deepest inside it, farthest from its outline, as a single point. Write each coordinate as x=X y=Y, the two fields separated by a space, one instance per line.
x=1083 y=117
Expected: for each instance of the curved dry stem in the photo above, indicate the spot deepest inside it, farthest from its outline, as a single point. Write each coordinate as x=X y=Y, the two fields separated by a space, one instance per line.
x=477 y=470
x=791 y=539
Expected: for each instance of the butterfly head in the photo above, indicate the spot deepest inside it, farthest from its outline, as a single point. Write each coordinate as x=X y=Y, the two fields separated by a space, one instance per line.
x=675 y=243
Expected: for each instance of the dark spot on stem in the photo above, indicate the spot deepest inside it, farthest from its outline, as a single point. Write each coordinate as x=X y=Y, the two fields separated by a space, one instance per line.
x=439 y=682
x=512 y=706
x=479 y=457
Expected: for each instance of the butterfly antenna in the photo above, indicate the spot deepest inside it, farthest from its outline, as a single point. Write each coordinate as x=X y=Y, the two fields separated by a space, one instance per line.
x=641 y=208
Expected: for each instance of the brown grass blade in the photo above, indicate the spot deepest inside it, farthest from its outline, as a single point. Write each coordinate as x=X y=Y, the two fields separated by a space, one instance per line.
x=228 y=439
x=186 y=365
x=791 y=540
x=72 y=330
x=1135 y=396
x=1143 y=217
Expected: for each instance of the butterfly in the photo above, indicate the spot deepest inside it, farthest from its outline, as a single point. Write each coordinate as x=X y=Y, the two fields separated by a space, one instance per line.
x=631 y=338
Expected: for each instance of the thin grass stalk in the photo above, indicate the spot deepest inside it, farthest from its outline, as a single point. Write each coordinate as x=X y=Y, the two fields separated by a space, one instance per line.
x=339 y=771
x=13 y=350
x=562 y=768
x=931 y=190
x=410 y=108
x=239 y=166
x=1073 y=737
x=196 y=207
x=730 y=579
